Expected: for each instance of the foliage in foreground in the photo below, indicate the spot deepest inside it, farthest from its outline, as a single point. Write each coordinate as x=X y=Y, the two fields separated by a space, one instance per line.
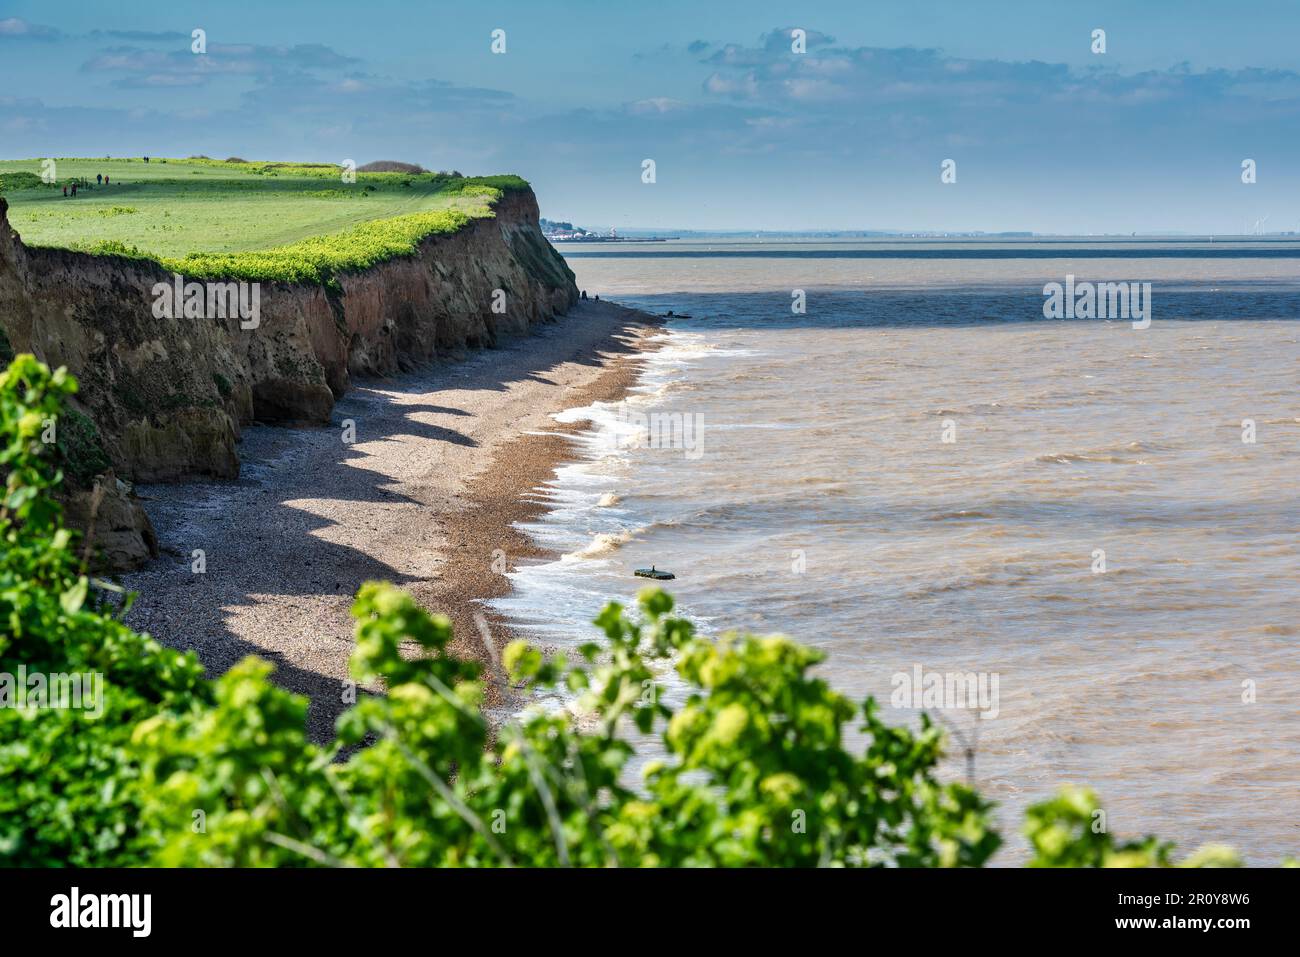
x=179 y=770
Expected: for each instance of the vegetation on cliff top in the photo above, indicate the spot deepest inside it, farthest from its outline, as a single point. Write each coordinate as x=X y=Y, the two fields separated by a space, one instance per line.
x=233 y=219
x=166 y=767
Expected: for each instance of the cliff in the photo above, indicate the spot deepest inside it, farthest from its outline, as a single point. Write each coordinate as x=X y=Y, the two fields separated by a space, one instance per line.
x=169 y=395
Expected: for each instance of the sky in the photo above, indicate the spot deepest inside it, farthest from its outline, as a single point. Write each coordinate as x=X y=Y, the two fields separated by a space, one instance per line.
x=746 y=132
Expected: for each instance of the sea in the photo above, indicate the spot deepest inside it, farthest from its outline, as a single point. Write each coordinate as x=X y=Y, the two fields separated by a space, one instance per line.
x=1080 y=533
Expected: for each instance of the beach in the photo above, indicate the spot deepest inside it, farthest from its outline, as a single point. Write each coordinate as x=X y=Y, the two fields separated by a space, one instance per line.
x=427 y=495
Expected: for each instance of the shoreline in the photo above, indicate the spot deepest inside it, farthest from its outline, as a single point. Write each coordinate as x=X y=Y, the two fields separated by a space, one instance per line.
x=439 y=474
x=498 y=500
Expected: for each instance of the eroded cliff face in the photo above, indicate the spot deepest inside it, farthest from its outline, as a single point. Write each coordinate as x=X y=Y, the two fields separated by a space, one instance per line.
x=169 y=395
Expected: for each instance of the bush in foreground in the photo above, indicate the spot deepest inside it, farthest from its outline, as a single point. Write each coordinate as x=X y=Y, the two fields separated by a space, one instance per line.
x=178 y=770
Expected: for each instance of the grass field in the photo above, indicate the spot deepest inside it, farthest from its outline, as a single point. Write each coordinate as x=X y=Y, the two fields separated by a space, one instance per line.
x=251 y=220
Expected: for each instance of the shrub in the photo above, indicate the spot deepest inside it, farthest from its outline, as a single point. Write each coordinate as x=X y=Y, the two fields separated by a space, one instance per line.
x=391 y=166
x=9 y=182
x=114 y=247
x=68 y=796
x=80 y=448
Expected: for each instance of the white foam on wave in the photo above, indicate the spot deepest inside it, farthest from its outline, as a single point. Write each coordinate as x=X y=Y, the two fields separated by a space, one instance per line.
x=602 y=544
x=590 y=515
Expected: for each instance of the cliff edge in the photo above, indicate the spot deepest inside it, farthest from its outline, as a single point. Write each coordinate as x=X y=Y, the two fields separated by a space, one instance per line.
x=167 y=396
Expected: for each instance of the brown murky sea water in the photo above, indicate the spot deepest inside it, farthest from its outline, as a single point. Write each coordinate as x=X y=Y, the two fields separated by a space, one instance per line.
x=809 y=490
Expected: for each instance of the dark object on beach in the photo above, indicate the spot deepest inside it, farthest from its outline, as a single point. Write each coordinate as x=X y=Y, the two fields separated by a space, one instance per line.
x=654 y=573
x=584 y=294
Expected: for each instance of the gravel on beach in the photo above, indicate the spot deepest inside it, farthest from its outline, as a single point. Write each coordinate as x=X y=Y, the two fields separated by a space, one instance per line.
x=439 y=473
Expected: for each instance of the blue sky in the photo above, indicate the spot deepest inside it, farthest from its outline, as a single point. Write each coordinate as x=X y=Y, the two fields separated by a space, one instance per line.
x=745 y=133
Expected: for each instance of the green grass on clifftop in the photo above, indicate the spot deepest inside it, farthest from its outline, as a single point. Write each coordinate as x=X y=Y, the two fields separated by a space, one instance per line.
x=257 y=221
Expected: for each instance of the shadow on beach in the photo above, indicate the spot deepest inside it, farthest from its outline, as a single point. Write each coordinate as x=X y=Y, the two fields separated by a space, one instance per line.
x=280 y=569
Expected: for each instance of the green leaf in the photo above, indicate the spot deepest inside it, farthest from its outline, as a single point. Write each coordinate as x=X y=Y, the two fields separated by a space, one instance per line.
x=72 y=599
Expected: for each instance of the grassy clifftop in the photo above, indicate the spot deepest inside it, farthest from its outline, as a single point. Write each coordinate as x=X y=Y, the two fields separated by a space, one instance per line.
x=258 y=221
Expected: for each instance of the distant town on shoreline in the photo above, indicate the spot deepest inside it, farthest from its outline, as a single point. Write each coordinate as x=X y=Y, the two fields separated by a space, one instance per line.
x=561 y=232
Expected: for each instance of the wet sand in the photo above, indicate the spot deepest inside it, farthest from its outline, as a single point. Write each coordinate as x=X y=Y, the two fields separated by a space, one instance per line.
x=426 y=496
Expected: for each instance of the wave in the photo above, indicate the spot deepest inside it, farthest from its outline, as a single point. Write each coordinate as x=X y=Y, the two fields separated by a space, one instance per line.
x=603 y=544
x=1110 y=455
x=1069 y=458
x=947 y=580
